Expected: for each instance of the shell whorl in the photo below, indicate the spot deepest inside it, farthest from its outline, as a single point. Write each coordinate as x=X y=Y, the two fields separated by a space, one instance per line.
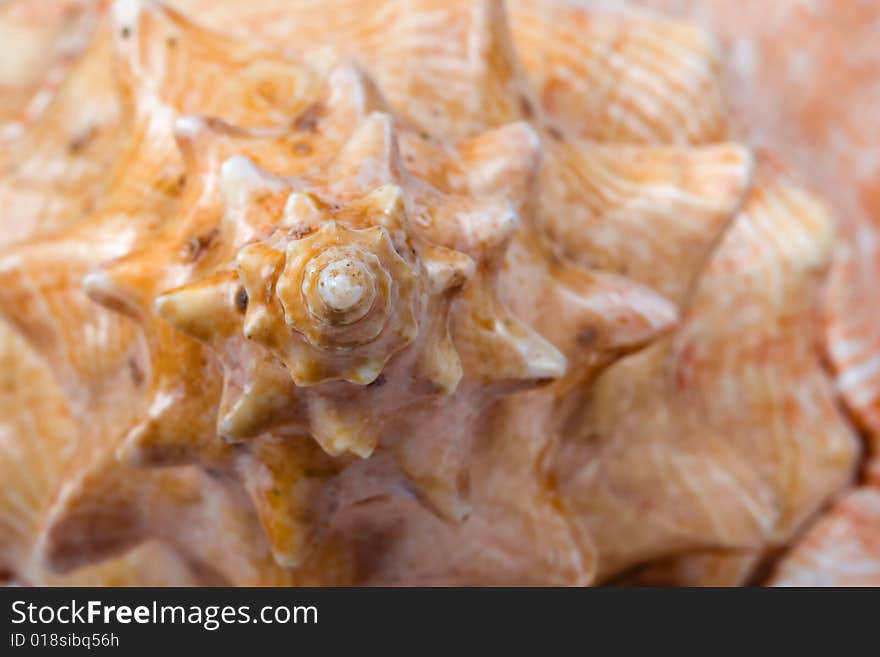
x=339 y=287
x=347 y=296
x=339 y=294
x=336 y=286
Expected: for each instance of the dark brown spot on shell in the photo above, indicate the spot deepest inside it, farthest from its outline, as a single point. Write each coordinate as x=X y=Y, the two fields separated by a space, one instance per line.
x=137 y=374
x=587 y=336
x=298 y=232
x=126 y=32
x=555 y=132
x=308 y=120
x=195 y=248
x=78 y=143
x=378 y=382
x=591 y=439
x=171 y=184
x=241 y=300
x=526 y=106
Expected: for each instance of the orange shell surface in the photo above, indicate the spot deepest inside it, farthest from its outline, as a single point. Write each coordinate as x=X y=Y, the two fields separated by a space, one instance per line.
x=572 y=331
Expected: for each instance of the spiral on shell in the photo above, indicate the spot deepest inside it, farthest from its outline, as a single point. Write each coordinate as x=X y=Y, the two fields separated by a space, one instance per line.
x=339 y=288
x=347 y=299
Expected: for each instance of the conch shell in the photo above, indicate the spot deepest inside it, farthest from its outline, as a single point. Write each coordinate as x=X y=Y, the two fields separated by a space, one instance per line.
x=812 y=105
x=422 y=309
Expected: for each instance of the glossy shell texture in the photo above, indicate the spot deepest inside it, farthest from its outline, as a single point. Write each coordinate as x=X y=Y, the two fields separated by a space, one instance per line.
x=404 y=293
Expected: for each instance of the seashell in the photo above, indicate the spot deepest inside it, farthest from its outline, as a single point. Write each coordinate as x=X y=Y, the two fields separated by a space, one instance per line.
x=421 y=310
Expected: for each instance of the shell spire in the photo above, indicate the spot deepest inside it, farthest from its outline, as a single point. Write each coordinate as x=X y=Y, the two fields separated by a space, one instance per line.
x=332 y=295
